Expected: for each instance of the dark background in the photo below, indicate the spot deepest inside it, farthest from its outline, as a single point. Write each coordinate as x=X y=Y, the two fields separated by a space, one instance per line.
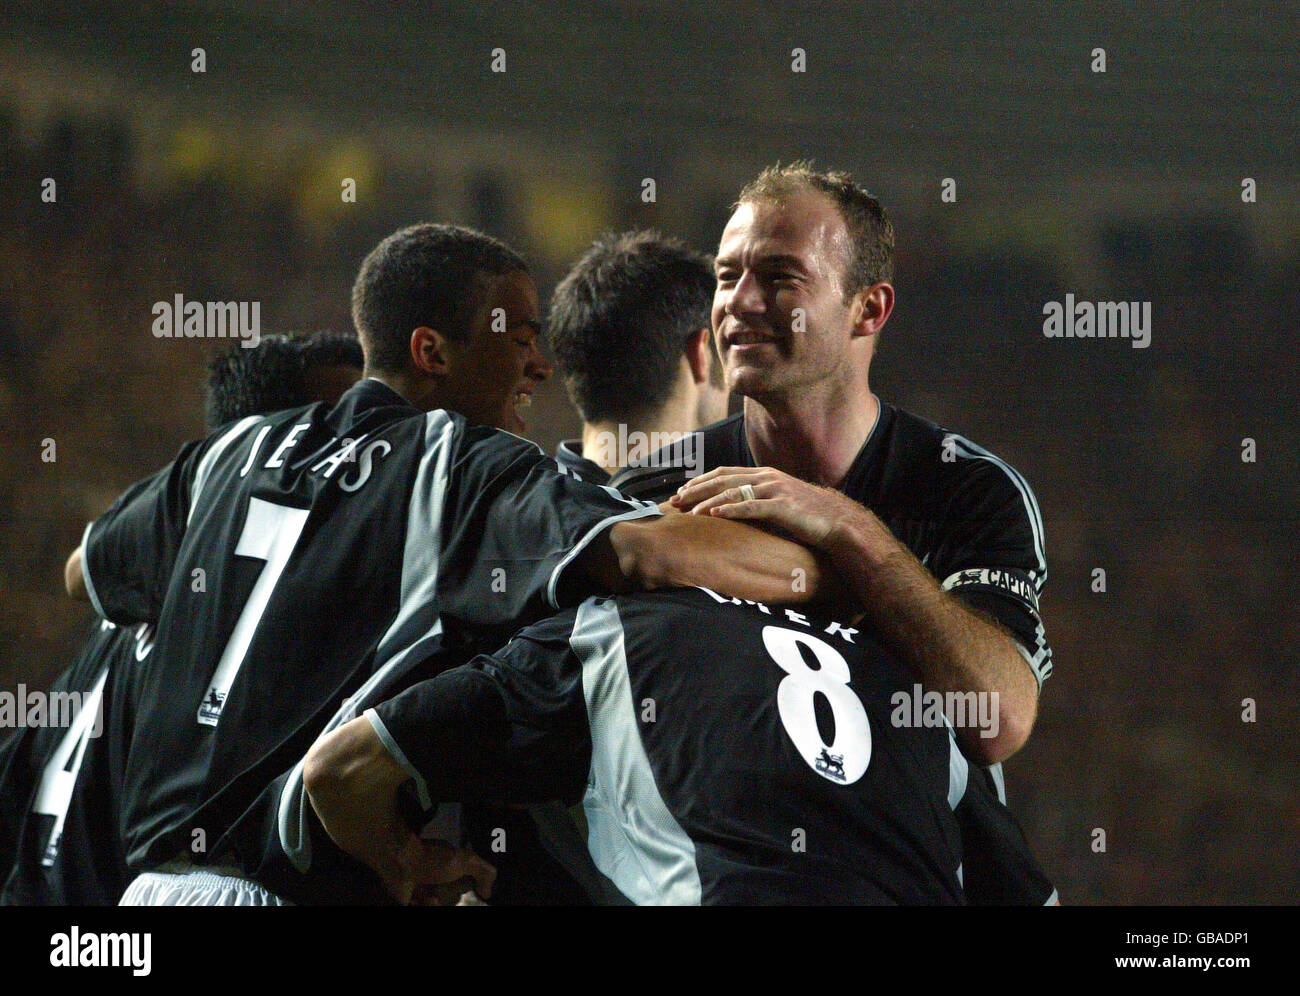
x=1123 y=185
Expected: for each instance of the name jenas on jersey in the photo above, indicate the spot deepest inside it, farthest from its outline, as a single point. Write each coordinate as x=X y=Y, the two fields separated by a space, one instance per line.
x=351 y=452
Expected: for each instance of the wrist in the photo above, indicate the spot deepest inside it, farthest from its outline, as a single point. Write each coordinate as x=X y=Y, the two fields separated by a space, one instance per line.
x=860 y=541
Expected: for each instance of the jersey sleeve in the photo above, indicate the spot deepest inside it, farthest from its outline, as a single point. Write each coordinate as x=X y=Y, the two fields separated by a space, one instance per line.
x=511 y=526
x=650 y=483
x=129 y=551
x=508 y=727
x=993 y=556
x=998 y=868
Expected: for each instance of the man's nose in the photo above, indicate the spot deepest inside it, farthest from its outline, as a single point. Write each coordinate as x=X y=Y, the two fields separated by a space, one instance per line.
x=746 y=296
x=539 y=367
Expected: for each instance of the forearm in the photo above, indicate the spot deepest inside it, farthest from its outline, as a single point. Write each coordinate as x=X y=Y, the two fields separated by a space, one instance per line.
x=950 y=646
x=730 y=557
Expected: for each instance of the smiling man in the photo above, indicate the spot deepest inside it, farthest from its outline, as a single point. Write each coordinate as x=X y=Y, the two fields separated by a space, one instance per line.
x=478 y=343
x=942 y=540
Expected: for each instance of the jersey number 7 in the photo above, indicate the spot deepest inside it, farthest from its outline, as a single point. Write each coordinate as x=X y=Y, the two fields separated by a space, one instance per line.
x=270 y=533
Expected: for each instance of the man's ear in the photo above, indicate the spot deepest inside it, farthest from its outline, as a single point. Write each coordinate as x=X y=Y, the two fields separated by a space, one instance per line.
x=872 y=308
x=700 y=355
x=429 y=352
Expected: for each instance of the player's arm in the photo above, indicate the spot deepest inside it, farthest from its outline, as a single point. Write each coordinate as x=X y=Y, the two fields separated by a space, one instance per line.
x=505 y=728
x=731 y=557
x=952 y=646
x=124 y=563
x=353 y=782
x=518 y=538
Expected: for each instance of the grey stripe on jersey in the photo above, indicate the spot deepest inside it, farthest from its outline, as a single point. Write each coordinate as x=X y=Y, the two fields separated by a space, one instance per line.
x=415 y=629
x=1038 y=660
x=958 y=779
x=999 y=781
x=85 y=574
x=641 y=510
x=958 y=772
x=633 y=838
x=965 y=448
x=210 y=458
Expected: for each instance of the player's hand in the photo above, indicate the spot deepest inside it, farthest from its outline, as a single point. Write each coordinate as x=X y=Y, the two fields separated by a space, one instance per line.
x=453 y=891
x=353 y=781
x=813 y=515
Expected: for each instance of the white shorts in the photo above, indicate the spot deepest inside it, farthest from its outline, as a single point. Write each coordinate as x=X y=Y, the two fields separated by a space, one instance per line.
x=180 y=884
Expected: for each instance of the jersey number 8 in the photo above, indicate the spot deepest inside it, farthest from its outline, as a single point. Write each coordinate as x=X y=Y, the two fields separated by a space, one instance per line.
x=844 y=760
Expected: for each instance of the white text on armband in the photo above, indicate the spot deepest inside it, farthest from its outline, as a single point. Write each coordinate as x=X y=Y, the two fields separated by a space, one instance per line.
x=993 y=577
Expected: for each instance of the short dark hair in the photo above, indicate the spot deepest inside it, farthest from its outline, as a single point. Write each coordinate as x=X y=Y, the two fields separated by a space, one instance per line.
x=620 y=319
x=429 y=275
x=272 y=375
x=871 y=233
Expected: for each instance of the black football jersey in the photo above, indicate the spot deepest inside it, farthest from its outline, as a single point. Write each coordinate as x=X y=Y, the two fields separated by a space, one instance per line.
x=967 y=515
x=568 y=454
x=290 y=559
x=724 y=752
x=64 y=788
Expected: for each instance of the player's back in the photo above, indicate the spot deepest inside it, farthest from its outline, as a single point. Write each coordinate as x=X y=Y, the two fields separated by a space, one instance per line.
x=296 y=554
x=746 y=754
x=258 y=632
x=723 y=752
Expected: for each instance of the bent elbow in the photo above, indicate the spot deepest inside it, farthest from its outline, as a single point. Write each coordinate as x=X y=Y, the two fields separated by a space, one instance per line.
x=73 y=578
x=1011 y=734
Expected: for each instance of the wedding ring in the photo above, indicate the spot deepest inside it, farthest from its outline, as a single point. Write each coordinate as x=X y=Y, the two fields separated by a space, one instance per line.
x=747 y=492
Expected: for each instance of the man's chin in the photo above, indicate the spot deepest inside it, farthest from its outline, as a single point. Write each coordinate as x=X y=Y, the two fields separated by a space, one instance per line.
x=749 y=382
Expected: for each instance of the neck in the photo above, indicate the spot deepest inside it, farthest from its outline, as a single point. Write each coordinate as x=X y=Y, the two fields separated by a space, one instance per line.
x=602 y=446
x=413 y=391
x=677 y=414
x=810 y=437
